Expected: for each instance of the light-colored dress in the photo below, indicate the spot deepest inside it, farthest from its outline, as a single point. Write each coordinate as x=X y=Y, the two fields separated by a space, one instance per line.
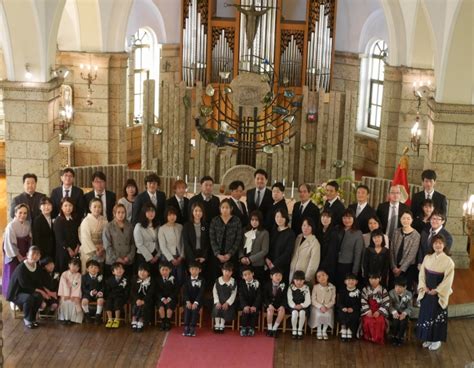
x=322 y=296
x=90 y=235
x=70 y=286
x=128 y=207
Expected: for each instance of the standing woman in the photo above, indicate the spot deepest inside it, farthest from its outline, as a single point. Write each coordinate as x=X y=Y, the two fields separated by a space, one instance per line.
x=196 y=237
x=17 y=240
x=307 y=252
x=376 y=258
x=434 y=287
x=91 y=230
x=352 y=245
x=282 y=242
x=66 y=233
x=118 y=241
x=374 y=224
x=255 y=246
x=145 y=235
x=130 y=192
x=43 y=233
x=225 y=234
x=328 y=237
x=170 y=239
x=404 y=250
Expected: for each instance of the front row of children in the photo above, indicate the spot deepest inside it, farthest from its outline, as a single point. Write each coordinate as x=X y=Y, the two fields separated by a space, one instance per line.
x=87 y=295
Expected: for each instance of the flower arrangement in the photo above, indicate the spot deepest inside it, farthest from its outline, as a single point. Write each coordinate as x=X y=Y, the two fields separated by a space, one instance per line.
x=319 y=195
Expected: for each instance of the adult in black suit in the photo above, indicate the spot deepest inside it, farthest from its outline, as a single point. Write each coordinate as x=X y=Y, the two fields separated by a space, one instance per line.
x=279 y=203
x=30 y=197
x=210 y=202
x=437 y=221
x=305 y=208
x=260 y=193
x=107 y=197
x=333 y=203
x=67 y=189
x=42 y=230
x=237 y=188
x=193 y=251
x=428 y=178
x=362 y=209
x=179 y=201
x=393 y=207
x=150 y=195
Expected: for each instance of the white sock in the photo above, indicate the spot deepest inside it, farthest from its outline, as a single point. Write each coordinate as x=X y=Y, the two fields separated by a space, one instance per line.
x=275 y=326
x=294 y=320
x=139 y=324
x=325 y=327
x=85 y=308
x=319 y=330
x=99 y=309
x=302 y=319
x=349 y=333
x=217 y=322
x=269 y=326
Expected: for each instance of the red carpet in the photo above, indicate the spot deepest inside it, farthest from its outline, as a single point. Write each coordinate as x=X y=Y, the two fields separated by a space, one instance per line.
x=210 y=350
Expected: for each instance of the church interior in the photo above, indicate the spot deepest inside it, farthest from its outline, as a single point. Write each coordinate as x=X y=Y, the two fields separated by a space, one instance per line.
x=307 y=90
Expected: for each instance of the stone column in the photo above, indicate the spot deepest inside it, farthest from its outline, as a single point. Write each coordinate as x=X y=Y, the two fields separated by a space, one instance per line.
x=31 y=143
x=148 y=123
x=169 y=63
x=451 y=155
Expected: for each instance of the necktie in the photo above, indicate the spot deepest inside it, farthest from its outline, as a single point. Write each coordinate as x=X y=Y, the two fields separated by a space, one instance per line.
x=99 y=196
x=275 y=289
x=358 y=211
x=432 y=233
x=301 y=209
x=257 y=202
x=239 y=205
x=181 y=205
x=393 y=222
x=428 y=196
x=153 y=199
x=66 y=191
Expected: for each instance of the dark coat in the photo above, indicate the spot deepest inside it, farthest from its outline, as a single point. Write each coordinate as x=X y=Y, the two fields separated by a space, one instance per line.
x=117 y=289
x=33 y=203
x=425 y=245
x=383 y=210
x=66 y=234
x=336 y=210
x=194 y=293
x=242 y=215
x=144 y=198
x=88 y=284
x=24 y=281
x=110 y=199
x=77 y=197
x=269 y=219
x=363 y=218
x=189 y=241
x=43 y=237
x=225 y=238
x=250 y=296
x=282 y=244
x=278 y=300
x=265 y=203
x=311 y=211
x=211 y=207
x=183 y=216
x=439 y=201
x=146 y=294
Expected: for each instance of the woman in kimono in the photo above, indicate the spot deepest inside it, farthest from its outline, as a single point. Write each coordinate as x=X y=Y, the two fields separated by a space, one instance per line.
x=434 y=288
x=17 y=240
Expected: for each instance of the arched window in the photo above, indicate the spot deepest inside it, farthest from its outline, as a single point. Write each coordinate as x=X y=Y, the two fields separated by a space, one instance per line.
x=371 y=88
x=146 y=58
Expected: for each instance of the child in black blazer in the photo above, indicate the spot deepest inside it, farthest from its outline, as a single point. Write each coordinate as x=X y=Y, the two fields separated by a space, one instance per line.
x=250 y=298
x=274 y=301
x=50 y=283
x=167 y=295
x=92 y=288
x=117 y=291
x=193 y=291
x=142 y=297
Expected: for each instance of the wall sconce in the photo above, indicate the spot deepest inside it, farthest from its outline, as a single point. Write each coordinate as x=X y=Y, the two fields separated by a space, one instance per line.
x=421 y=89
x=66 y=112
x=155 y=130
x=89 y=78
x=468 y=217
x=28 y=74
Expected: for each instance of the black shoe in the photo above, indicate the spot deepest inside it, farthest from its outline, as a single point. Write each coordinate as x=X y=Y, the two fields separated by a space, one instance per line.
x=250 y=332
x=192 y=331
x=35 y=324
x=243 y=331
x=98 y=319
x=294 y=336
x=186 y=331
x=269 y=333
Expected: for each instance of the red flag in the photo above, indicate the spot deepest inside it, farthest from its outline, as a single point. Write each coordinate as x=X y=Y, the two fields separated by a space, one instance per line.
x=401 y=178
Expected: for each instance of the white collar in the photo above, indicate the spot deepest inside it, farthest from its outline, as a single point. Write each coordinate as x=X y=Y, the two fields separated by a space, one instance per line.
x=332 y=201
x=361 y=206
x=151 y=194
x=304 y=204
x=437 y=230
x=396 y=204
x=30 y=268
x=429 y=193
x=178 y=199
x=231 y=282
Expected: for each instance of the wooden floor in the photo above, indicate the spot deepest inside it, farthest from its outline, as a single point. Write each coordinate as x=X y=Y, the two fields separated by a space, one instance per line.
x=463 y=290
x=55 y=345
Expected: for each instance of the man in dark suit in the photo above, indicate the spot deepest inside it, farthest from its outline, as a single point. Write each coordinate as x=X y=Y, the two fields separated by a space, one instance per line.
x=236 y=191
x=260 y=197
x=362 y=209
x=305 y=208
x=333 y=203
x=107 y=197
x=180 y=201
x=390 y=212
x=30 y=197
x=437 y=221
x=428 y=178
x=67 y=189
x=210 y=202
x=150 y=195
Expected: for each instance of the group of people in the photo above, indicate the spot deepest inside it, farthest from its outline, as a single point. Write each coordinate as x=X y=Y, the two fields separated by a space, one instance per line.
x=334 y=258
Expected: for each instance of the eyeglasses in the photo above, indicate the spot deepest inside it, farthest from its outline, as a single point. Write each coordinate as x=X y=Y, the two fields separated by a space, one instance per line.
x=436 y=218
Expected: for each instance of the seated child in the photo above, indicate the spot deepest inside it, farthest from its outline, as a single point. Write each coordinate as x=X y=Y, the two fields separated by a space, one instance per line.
x=323 y=299
x=375 y=307
x=193 y=291
x=142 y=297
x=116 y=294
x=50 y=282
x=274 y=301
x=250 y=300
x=400 y=309
x=167 y=295
x=224 y=293
x=92 y=286
x=348 y=308
x=70 y=294
x=299 y=299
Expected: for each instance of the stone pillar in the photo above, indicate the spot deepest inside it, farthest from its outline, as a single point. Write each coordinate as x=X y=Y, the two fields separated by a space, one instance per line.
x=346 y=72
x=31 y=143
x=148 y=123
x=98 y=130
x=451 y=155
x=169 y=63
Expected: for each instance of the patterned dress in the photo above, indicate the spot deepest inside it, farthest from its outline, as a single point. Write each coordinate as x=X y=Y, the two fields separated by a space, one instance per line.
x=375 y=300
